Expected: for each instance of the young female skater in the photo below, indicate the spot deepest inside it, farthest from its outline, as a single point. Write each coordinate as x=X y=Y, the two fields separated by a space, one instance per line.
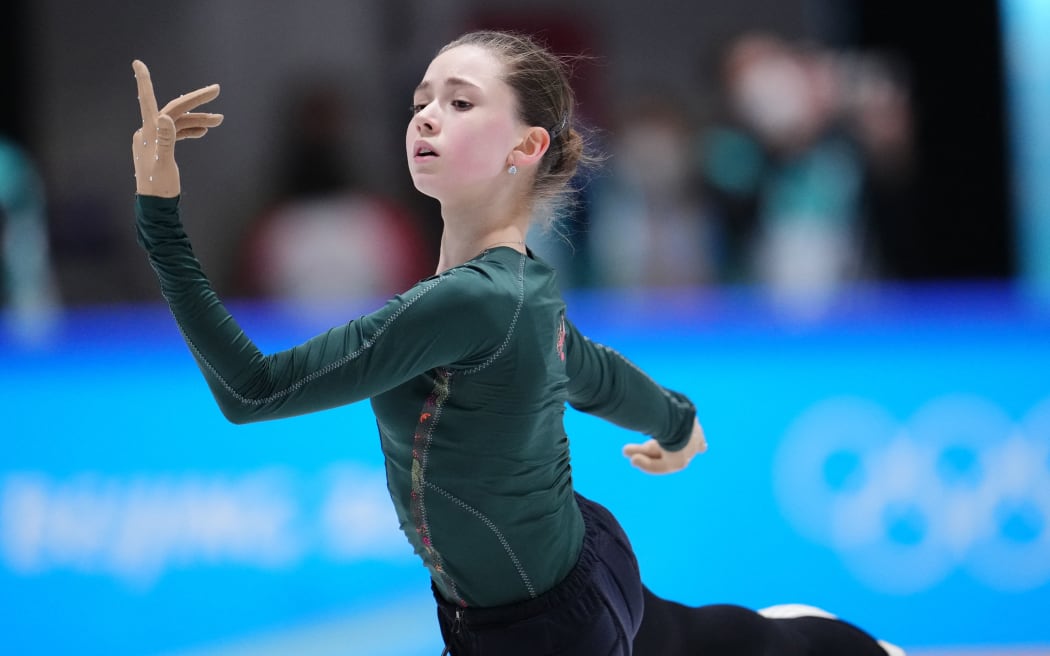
x=468 y=373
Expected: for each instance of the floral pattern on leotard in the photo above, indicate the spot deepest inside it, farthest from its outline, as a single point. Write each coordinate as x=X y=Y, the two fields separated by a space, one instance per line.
x=424 y=435
x=561 y=338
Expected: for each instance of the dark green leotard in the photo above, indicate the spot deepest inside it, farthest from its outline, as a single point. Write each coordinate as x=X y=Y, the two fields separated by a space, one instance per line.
x=468 y=373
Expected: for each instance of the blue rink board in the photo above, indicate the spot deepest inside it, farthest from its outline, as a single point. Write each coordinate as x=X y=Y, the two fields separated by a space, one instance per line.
x=886 y=462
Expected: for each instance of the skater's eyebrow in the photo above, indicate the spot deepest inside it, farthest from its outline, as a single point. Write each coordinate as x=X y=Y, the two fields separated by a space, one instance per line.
x=450 y=82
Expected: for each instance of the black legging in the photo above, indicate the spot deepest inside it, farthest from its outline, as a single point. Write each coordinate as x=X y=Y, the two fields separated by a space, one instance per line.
x=669 y=628
x=596 y=608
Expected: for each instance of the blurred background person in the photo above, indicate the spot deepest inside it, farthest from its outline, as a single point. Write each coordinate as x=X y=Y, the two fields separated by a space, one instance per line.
x=27 y=286
x=325 y=236
x=786 y=174
x=649 y=225
x=878 y=112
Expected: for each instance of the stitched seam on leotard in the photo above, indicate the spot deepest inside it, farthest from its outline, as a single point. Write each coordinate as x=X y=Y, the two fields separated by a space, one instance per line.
x=627 y=361
x=630 y=364
x=492 y=527
x=314 y=375
x=513 y=322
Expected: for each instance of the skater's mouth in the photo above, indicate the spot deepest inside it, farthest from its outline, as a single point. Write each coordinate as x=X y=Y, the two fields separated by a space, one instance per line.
x=423 y=149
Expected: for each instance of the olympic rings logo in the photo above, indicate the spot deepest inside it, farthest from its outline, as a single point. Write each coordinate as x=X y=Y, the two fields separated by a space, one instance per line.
x=959 y=486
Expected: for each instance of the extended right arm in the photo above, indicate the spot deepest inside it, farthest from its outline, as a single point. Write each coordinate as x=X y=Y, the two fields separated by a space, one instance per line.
x=410 y=334
x=436 y=323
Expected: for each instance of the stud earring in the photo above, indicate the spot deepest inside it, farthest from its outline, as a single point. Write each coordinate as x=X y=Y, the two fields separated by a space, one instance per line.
x=513 y=170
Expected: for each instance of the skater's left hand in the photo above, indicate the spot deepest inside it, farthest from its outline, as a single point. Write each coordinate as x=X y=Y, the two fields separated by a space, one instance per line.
x=652 y=458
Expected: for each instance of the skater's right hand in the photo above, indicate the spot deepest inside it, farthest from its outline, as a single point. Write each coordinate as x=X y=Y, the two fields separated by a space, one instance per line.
x=153 y=148
x=652 y=458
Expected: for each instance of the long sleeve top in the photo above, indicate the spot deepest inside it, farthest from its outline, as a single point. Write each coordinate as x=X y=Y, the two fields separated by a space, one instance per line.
x=468 y=373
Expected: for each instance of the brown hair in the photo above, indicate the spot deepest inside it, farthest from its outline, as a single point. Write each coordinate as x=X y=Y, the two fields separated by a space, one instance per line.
x=540 y=81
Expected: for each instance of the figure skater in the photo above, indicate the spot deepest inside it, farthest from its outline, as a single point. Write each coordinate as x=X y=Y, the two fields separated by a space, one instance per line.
x=469 y=372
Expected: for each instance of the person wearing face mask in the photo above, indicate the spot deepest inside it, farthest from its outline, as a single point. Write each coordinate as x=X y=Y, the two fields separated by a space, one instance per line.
x=788 y=176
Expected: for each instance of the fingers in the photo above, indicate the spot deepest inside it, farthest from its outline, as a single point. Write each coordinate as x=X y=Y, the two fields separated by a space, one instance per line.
x=165 y=138
x=196 y=120
x=137 y=145
x=651 y=448
x=701 y=442
x=649 y=457
x=195 y=125
x=651 y=465
x=698 y=440
x=189 y=101
x=147 y=101
x=190 y=133
x=179 y=120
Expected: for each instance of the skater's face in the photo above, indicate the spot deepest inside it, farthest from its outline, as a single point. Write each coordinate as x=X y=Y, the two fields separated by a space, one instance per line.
x=464 y=126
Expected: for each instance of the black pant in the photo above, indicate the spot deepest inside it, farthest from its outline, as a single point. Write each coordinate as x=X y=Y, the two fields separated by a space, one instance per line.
x=598 y=611
x=595 y=611
x=671 y=629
